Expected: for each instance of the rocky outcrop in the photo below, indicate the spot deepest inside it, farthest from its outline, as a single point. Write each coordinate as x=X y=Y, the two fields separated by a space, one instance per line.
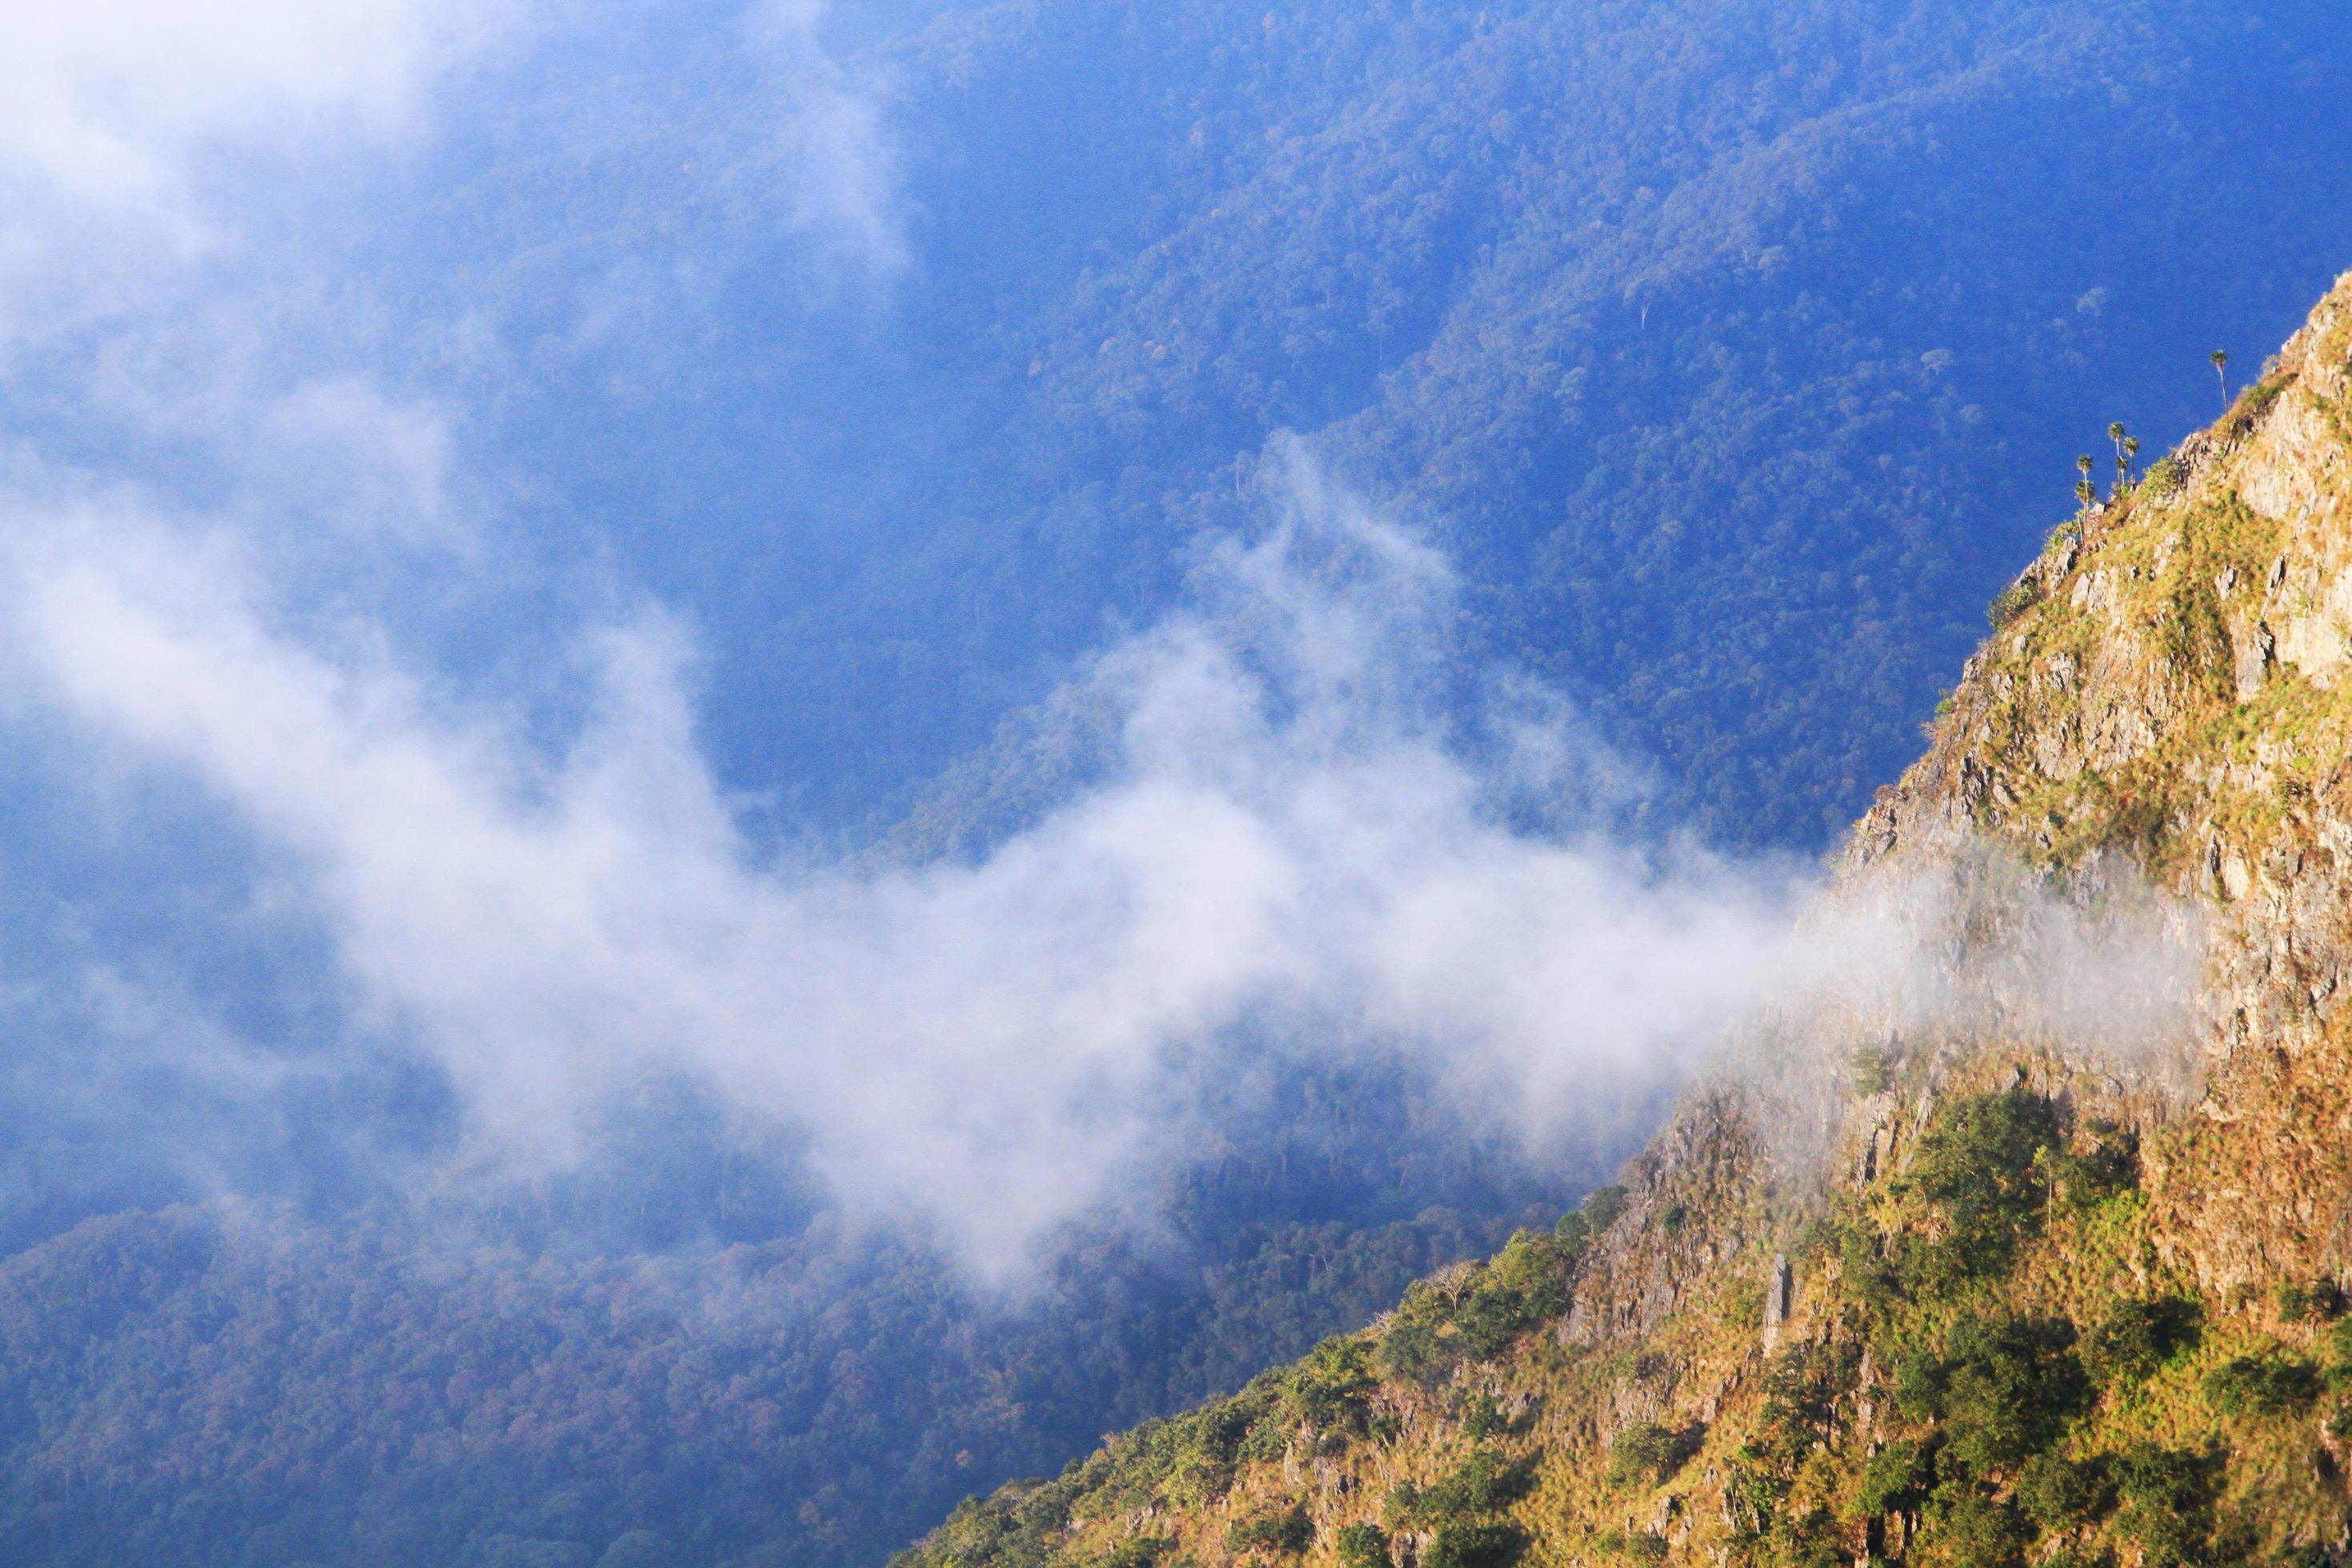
x=1764 y=1356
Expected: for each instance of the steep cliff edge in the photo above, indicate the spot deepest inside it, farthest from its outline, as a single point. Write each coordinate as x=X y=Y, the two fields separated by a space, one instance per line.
x=1928 y=1293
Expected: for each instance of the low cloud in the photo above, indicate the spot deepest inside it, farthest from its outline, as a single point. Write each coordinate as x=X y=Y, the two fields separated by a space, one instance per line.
x=110 y=102
x=827 y=144
x=143 y=140
x=1908 y=967
x=1302 y=846
x=1314 y=837
x=1296 y=849
x=170 y=166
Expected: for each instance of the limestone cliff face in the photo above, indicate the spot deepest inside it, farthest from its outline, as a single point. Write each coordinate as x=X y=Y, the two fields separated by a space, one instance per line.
x=2178 y=692
x=1937 y=1295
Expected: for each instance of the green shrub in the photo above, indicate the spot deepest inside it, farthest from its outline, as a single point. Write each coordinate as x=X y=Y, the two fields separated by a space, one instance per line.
x=1893 y=1481
x=2111 y=1166
x=1486 y=1482
x=1862 y=1263
x=1414 y=1346
x=2135 y=1338
x=2263 y=1385
x=2338 y=1346
x=2165 y=477
x=1266 y=1442
x=1479 y=1545
x=2011 y=603
x=2004 y=1389
x=2168 y=1503
x=2079 y=1557
x=1602 y=1205
x=1918 y=1378
x=1216 y=1431
x=1806 y=1547
x=1527 y=1283
x=1364 y=1546
x=2059 y=1494
x=1412 y=1350
x=1285 y=1531
x=1868 y=1070
x=1801 y=1388
x=2307 y=1300
x=1331 y=1388
x=1981 y=1167
x=1966 y=1529
x=1639 y=1546
x=1198 y=1453
x=1490 y=1320
x=1136 y=1551
x=1533 y=1266
x=1649 y=1452
x=2253 y=402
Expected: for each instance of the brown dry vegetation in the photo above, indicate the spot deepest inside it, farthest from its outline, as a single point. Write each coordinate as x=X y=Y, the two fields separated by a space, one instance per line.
x=2041 y=1308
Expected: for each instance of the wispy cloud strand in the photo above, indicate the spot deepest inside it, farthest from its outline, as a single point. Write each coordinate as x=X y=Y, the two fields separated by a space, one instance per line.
x=1296 y=849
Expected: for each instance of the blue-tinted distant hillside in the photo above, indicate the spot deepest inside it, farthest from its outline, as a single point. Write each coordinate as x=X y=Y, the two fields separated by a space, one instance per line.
x=1738 y=352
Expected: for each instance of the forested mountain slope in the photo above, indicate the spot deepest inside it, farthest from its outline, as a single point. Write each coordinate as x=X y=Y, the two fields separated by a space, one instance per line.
x=1703 y=336
x=603 y=1381
x=1728 y=348
x=2021 y=1299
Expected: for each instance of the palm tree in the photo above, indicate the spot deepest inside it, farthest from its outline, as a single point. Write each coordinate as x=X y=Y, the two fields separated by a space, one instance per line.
x=2220 y=373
